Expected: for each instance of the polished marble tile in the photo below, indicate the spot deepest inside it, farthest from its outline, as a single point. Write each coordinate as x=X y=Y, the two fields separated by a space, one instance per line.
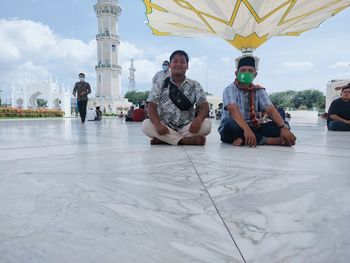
x=101 y=193
x=284 y=204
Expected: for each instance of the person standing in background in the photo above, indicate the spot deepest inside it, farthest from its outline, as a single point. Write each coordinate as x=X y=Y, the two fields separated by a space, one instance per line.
x=160 y=76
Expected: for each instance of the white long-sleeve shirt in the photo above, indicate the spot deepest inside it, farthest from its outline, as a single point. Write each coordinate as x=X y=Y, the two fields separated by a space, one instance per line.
x=160 y=76
x=91 y=115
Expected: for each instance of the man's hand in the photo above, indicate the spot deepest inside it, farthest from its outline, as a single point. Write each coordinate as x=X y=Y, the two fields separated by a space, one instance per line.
x=82 y=93
x=162 y=129
x=287 y=137
x=250 y=138
x=195 y=126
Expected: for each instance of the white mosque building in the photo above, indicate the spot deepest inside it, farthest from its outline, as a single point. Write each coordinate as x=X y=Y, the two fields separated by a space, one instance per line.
x=24 y=95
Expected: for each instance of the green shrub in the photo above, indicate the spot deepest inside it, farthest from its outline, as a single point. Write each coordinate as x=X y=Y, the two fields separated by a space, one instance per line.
x=29 y=113
x=109 y=114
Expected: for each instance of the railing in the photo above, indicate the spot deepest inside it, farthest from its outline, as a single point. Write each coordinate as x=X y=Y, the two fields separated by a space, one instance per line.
x=108 y=1
x=118 y=67
x=106 y=34
x=108 y=11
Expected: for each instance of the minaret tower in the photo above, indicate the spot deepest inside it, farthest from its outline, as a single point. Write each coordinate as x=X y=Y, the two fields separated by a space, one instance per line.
x=108 y=71
x=132 y=77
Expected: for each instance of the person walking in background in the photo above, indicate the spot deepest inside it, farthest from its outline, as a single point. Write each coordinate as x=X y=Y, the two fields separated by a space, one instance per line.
x=81 y=91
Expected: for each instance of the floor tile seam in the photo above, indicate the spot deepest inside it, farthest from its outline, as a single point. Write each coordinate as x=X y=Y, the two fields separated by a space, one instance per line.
x=320 y=146
x=34 y=147
x=56 y=155
x=30 y=119
x=278 y=149
x=117 y=151
x=214 y=205
x=112 y=150
x=314 y=154
x=64 y=173
x=53 y=145
x=306 y=153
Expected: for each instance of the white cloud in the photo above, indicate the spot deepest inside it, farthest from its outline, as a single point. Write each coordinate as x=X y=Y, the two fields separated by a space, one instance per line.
x=289 y=66
x=145 y=71
x=340 y=65
x=26 y=36
x=226 y=60
x=161 y=57
x=31 y=49
x=128 y=50
x=146 y=68
x=198 y=70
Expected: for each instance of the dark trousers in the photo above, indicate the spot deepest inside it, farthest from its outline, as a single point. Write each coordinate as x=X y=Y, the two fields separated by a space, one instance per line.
x=82 y=109
x=338 y=126
x=229 y=131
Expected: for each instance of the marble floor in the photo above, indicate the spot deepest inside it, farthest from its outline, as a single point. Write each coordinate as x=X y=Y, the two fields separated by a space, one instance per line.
x=102 y=193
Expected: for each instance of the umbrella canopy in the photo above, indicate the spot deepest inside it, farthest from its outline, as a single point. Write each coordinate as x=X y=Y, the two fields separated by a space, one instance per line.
x=245 y=24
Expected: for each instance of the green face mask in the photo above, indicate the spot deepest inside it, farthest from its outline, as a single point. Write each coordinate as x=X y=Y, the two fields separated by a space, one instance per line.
x=245 y=77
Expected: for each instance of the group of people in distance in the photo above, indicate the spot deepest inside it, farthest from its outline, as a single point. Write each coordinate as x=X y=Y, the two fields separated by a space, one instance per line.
x=178 y=109
x=94 y=114
x=136 y=115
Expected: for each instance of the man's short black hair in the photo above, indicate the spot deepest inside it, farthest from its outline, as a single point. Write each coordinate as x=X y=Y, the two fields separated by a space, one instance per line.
x=166 y=62
x=179 y=52
x=246 y=61
x=346 y=87
x=81 y=74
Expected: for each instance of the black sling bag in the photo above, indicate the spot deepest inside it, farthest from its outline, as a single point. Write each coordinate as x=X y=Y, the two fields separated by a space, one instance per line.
x=176 y=96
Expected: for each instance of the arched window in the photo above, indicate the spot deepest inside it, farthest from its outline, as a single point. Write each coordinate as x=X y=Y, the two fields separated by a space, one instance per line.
x=113 y=48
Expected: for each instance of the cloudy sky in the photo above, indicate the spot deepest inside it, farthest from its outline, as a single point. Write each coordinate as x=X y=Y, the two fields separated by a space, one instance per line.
x=40 y=38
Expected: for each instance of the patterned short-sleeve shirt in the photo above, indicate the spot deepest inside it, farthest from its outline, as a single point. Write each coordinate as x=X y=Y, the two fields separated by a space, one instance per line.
x=168 y=113
x=233 y=95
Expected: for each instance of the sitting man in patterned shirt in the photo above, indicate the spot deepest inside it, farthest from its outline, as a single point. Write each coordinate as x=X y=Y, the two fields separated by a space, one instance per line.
x=243 y=101
x=172 y=108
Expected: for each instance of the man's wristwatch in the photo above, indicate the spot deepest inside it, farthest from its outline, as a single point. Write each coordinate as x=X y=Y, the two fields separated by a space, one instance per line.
x=284 y=126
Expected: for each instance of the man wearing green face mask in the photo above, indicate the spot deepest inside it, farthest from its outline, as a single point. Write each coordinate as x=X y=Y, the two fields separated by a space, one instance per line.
x=243 y=103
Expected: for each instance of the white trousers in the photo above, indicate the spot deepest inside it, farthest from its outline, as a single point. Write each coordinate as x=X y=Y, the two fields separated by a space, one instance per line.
x=173 y=137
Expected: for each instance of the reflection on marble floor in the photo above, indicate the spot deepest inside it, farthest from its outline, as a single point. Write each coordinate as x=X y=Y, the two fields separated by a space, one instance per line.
x=101 y=193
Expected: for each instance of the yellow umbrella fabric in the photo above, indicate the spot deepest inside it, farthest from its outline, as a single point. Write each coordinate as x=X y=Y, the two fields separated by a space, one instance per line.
x=245 y=24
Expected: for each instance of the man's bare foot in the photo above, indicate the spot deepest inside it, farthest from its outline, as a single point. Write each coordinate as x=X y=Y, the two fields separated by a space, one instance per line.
x=238 y=142
x=276 y=141
x=155 y=141
x=193 y=140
